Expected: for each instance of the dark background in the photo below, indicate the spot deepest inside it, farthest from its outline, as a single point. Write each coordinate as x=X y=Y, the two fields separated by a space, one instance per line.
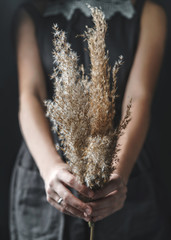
x=9 y=129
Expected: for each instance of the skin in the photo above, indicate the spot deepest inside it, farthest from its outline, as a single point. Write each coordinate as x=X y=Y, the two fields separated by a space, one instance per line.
x=36 y=131
x=141 y=86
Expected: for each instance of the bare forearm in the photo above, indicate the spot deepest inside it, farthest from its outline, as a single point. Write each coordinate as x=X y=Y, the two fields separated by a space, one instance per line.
x=133 y=138
x=36 y=131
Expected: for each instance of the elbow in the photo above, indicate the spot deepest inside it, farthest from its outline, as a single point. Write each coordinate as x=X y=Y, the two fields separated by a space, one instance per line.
x=23 y=101
x=141 y=106
x=26 y=103
x=141 y=101
x=20 y=118
x=21 y=113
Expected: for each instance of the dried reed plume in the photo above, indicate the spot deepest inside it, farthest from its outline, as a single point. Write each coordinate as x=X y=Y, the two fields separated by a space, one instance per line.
x=83 y=111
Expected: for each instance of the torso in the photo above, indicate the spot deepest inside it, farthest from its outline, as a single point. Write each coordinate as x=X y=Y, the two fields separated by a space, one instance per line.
x=122 y=38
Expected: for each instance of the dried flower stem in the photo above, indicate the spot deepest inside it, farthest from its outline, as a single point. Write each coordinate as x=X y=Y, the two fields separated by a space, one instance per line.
x=91 y=226
x=83 y=111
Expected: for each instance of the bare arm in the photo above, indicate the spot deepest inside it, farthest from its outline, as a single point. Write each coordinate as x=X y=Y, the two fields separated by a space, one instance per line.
x=140 y=87
x=32 y=89
x=35 y=126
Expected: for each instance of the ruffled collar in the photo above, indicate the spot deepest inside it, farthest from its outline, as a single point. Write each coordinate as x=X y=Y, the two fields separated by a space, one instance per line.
x=109 y=7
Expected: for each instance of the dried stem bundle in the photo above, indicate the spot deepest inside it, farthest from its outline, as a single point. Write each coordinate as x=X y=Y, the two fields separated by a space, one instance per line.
x=83 y=111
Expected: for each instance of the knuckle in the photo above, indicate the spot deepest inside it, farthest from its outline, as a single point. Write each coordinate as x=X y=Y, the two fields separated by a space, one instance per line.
x=57 y=172
x=71 y=181
x=63 y=209
x=57 y=175
x=49 y=191
x=77 y=206
x=48 y=198
x=93 y=205
x=66 y=197
x=118 y=179
x=51 y=184
x=80 y=206
x=66 y=207
x=81 y=189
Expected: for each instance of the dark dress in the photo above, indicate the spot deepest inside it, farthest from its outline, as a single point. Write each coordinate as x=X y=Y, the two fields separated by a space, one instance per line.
x=31 y=216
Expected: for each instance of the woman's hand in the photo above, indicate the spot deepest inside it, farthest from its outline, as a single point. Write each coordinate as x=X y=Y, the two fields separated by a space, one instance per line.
x=109 y=199
x=56 y=187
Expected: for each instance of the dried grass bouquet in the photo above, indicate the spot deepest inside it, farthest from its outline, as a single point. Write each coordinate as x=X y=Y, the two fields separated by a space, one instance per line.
x=83 y=108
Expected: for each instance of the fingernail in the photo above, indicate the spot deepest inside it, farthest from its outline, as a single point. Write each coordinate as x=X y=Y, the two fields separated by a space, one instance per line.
x=85 y=214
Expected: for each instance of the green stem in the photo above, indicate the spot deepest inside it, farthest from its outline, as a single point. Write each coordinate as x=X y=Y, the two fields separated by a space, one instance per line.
x=91 y=225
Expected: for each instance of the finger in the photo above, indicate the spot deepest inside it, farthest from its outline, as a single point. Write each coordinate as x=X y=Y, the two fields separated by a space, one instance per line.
x=108 y=211
x=110 y=187
x=70 y=199
x=52 y=194
x=70 y=180
x=112 y=202
x=54 y=203
x=103 y=203
x=66 y=209
x=122 y=190
x=103 y=213
x=114 y=185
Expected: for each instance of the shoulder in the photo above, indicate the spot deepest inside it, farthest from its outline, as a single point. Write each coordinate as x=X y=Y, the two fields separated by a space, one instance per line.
x=153 y=16
x=25 y=22
x=153 y=28
x=30 y=9
x=22 y=16
x=24 y=26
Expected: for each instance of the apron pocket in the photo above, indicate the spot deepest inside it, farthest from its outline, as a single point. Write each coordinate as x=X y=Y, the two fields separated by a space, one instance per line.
x=34 y=215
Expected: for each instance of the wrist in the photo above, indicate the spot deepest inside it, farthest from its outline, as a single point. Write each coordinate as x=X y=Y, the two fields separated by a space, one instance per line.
x=123 y=171
x=48 y=166
x=124 y=167
x=123 y=175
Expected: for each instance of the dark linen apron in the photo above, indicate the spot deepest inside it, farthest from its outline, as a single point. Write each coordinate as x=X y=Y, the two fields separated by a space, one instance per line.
x=31 y=216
